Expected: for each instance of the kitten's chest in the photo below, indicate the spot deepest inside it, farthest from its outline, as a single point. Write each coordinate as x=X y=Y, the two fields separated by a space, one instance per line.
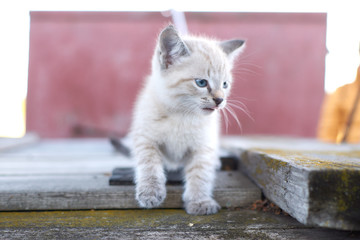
x=180 y=137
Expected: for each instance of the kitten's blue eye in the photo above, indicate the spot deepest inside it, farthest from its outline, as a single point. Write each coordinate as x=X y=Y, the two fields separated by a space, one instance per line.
x=201 y=82
x=225 y=85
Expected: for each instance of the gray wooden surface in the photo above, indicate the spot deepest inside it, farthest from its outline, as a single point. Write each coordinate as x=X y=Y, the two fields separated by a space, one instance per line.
x=9 y=143
x=62 y=157
x=74 y=174
x=160 y=224
x=317 y=183
x=93 y=192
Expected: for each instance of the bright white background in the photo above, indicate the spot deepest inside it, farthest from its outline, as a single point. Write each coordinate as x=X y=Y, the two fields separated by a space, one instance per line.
x=343 y=37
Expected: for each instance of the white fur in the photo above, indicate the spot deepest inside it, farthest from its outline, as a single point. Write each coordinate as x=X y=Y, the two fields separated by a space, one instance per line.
x=170 y=127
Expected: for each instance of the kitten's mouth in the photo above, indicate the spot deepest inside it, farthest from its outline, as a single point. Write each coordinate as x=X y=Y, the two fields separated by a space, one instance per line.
x=209 y=109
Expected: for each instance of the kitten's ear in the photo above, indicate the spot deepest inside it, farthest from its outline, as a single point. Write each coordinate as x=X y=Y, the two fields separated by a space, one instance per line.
x=172 y=47
x=232 y=47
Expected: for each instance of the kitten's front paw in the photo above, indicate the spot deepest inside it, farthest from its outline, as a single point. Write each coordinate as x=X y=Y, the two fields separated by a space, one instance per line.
x=150 y=196
x=202 y=207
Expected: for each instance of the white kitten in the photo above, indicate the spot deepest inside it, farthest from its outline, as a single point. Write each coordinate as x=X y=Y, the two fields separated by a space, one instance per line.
x=176 y=119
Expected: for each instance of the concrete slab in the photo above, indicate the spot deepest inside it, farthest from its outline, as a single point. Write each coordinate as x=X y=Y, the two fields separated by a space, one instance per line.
x=314 y=182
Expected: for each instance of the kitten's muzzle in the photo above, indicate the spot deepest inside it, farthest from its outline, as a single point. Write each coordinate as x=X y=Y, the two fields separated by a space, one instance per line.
x=218 y=101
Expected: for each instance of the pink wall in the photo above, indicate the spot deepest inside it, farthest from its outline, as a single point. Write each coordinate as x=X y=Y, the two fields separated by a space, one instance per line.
x=86 y=68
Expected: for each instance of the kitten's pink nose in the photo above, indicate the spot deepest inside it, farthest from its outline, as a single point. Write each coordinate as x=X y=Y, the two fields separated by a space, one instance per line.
x=218 y=101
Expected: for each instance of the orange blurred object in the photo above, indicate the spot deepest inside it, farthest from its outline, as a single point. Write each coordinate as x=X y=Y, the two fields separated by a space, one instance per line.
x=340 y=117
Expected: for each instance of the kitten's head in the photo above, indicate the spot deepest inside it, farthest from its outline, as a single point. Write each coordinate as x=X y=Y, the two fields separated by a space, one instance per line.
x=193 y=75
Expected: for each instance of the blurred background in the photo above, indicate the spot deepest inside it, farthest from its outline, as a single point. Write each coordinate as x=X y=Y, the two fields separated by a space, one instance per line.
x=73 y=69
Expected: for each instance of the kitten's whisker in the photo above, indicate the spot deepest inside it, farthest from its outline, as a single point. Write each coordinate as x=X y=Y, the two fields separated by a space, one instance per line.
x=232 y=113
x=249 y=64
x=244 y=109
x=236 y=103
x=238 y=73
x=245 y=70
x=238 y=97
x=226 y=118
x=247 y=55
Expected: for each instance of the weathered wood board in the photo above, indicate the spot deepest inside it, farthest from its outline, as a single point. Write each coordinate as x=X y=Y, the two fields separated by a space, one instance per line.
x=160 y=224
x=10 y=143
x=74 y=174
x=314 y=182
x=317 y=183
x=62 y=157
x=93 y=192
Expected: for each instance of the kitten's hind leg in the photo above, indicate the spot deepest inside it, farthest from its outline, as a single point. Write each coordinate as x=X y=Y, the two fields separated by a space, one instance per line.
x=199 y=177
x=149 y=175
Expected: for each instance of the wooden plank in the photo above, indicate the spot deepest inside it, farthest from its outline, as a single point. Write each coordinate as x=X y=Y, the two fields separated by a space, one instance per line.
x=93 y=192
x=74 y=174
x=11 y=143
x=159 y=224
x=64 y=147
x=62 y=156
x=68 y=156
x=61 y=165
x=314 y=182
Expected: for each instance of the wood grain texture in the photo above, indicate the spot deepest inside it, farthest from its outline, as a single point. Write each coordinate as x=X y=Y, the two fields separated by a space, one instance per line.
x=74 y=174
x=93 y=192
x=314 y=182
x=159 y=224
x=11 y=143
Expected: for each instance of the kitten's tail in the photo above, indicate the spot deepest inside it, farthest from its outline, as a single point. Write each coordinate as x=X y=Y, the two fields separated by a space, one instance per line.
x=120 y=146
